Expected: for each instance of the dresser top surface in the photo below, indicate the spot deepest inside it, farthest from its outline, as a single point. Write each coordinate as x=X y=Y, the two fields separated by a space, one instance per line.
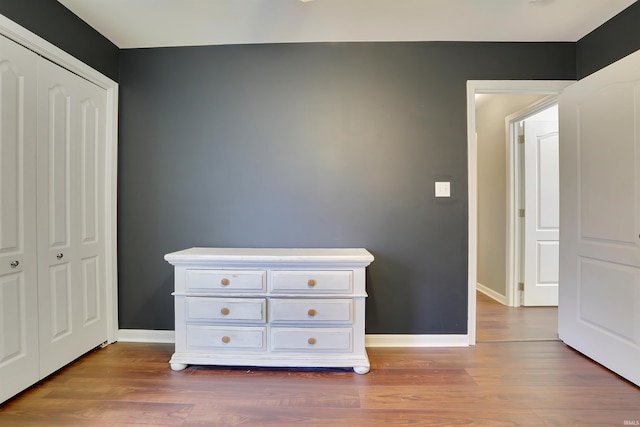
x=254 y=255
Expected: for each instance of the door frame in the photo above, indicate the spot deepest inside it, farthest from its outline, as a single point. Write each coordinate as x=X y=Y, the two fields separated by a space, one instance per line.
x=42 y=47
x=543 y=87
x=515 y=230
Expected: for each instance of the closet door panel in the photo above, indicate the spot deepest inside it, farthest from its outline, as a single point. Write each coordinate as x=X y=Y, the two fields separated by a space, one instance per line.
x=56 y=293
x=90 y=237
x=70 y=144
x=90 y=149
x=60 y=293
x=58 y=137
x=91 y=312
x=18 y=268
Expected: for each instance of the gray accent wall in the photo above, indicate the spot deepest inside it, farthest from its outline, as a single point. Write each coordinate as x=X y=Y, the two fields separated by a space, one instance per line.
x=59 y=26
x=613 y=40
x=308 y=145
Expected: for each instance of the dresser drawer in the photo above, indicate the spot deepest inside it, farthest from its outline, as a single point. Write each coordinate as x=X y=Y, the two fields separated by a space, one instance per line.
x=311 y=339
x=311 y=310
x=226 y=309
x=226 y=281
x=220 y=338
x=312 y=282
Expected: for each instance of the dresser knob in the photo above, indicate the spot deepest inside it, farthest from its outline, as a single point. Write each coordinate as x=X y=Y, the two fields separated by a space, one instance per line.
x=224 y=311
x=311 y=341
x=226 y=339
x=312 y=312
x=14 y=264
x=311 y=283
x=225 y=281
x=60 y=255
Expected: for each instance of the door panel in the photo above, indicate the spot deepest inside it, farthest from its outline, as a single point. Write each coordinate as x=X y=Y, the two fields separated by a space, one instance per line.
x=59 y=302
x=90 y=144
x=599 y=313
x=10 y=180
x=548 y=215
x=55 y=208
x=613 y=105
x=91 y=195
x=548 y=253
x=18 y=269
x=59 y=142
x=90 y=291
x=542 y=218
x=70 y=188
x=610 y=308
x=14 y=309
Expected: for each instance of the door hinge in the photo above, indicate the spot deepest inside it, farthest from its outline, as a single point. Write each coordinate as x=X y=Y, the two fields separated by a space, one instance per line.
x=520 y=139
x=521 y=213
x=520 y=286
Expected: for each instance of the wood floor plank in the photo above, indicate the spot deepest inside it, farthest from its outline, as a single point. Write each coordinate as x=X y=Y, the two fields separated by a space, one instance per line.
x=503 y=323
x=589 y=417
x=545 y=377
x=204 y=415
x=530 y=397
x=185 y=392
x=69 y=412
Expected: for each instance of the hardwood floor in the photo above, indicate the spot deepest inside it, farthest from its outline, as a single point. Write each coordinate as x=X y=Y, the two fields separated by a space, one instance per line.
x=499 y=383
x=497 y=322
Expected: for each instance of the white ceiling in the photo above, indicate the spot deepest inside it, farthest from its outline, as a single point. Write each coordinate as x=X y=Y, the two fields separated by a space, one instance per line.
x=157 y=23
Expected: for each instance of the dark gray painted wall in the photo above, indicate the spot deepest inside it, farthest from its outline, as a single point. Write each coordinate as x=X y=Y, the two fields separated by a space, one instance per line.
x=56 y=24
x=308 y=145
x=613 y=40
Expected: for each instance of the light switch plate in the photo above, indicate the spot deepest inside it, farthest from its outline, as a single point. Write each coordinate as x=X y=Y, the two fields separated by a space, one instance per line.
x=443 y=189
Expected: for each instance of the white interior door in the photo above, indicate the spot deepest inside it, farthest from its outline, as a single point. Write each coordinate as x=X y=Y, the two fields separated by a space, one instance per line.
x=599 y=311
x=542 y=215
x=18 y=269
x=71 y=145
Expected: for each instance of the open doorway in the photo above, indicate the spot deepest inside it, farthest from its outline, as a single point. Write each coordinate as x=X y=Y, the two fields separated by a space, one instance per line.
x=517 y=141
x=532 y=91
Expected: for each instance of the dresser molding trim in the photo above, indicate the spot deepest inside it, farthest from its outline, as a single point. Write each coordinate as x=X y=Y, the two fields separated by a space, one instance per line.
x=371 y=340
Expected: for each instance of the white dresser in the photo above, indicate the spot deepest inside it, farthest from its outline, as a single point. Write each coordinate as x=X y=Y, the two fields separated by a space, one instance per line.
x=270 y=307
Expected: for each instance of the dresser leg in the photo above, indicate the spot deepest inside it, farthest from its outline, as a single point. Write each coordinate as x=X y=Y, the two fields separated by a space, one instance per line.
x=361 y=369
x=178 y=366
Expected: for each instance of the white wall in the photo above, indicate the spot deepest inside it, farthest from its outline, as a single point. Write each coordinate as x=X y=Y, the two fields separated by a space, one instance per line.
x=492 y=188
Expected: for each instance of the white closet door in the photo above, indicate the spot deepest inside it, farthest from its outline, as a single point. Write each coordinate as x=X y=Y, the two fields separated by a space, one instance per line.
x=18 y=269
x=71 y=133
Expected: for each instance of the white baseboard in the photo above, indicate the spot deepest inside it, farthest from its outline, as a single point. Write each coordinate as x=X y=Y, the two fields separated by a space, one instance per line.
x=144 y=335
x=492 y=294
x=414 y=340
x=371 y=340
